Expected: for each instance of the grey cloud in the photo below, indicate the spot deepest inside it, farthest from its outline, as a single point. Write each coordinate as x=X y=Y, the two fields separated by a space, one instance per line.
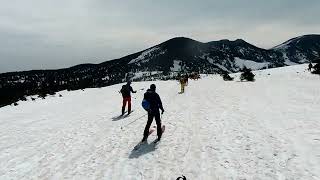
x=52 y=34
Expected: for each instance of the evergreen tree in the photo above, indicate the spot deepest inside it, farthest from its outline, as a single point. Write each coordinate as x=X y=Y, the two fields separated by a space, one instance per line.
x=227 y=77
x=246 y=74
x=316 y=69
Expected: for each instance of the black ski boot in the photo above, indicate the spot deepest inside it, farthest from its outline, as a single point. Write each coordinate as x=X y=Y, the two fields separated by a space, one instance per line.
x=123 y=109
x=144 y=139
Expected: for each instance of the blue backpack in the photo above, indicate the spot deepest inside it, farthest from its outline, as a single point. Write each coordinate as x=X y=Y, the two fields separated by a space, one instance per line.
x=145 y=105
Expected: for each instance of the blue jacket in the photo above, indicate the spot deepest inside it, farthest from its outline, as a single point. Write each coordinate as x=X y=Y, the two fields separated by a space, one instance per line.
x=154 y=99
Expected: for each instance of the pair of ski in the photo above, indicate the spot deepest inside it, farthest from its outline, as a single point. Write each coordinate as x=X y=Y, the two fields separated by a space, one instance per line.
x=121 y=116
x=151 y=130
x=154 y=128
x=125 y=114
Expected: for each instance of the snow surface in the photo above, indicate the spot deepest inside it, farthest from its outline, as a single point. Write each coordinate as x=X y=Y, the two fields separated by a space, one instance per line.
x=221 y=67
x=287 y=60
x=268 y=129
x=210 y=60
x=141 y=74
x=176 y=66
x=302 y=58
x=250 y=64
x=146 y=55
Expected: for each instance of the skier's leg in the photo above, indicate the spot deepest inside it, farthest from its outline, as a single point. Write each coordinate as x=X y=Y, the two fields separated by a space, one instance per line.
x=146 y=129
x=124 y=103
x=158 y=122
x=129 y=105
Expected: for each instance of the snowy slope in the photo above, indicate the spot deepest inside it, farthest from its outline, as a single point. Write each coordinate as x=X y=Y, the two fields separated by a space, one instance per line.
x=268 y=129
x=250 y=64
x=286 y=44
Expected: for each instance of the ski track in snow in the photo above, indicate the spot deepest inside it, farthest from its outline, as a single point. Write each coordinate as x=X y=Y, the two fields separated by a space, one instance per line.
x=268 y=129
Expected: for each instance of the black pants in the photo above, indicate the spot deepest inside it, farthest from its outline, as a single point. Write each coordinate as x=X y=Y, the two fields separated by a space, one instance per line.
x=151 y=115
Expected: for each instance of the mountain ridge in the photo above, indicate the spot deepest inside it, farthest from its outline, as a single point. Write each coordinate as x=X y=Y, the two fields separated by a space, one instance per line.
x=180 y=38
x=162 y=61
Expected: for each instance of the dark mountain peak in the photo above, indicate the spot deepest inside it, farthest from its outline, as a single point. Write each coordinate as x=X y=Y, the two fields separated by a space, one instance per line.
x=308 y=40
x=180 y=41
x=223 y=41
x=308 y=36
x=229 y=41
x=235 y=43
x=180 y=44
x=240 y=41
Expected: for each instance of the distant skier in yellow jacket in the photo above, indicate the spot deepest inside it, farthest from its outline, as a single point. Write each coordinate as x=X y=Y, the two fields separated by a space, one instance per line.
x=183 y=84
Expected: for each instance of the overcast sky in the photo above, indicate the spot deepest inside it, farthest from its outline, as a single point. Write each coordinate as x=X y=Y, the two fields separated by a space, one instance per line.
x=47 y=34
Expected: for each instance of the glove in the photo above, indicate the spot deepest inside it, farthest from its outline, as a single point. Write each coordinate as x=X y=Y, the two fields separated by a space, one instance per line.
x=162 y=111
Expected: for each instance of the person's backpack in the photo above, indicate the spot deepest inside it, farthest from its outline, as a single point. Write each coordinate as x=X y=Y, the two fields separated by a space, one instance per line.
x=145 y=105
x=123 y=89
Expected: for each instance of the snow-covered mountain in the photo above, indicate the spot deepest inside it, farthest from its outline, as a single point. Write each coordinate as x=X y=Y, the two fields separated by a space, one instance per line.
x=268 y=129
x=163 y=61
x=225 y=55
x=211 y=57
x=300 y=49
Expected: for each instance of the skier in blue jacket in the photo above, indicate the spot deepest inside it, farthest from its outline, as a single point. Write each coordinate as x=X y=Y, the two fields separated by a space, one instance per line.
x=155 y=104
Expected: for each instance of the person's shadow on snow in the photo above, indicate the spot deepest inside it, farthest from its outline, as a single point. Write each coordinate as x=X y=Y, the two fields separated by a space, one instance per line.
x=118 y=118
x=141 y=149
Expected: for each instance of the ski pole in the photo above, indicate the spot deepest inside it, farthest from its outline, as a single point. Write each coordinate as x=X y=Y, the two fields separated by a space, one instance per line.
x=132 y=121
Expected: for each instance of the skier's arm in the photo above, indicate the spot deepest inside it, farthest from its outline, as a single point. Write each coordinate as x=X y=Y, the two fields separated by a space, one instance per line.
x=132 y=90
x=160 y=104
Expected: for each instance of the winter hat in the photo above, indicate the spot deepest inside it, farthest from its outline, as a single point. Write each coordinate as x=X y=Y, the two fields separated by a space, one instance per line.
x=153 y=87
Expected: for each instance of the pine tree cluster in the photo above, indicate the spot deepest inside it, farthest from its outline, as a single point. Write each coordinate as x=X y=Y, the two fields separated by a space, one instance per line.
x=246 y=74
x=316 y=69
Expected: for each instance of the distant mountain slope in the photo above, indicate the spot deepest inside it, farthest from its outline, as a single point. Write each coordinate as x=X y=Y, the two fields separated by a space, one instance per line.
x=163 y=61
x=300 y=49
x=211 y=57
